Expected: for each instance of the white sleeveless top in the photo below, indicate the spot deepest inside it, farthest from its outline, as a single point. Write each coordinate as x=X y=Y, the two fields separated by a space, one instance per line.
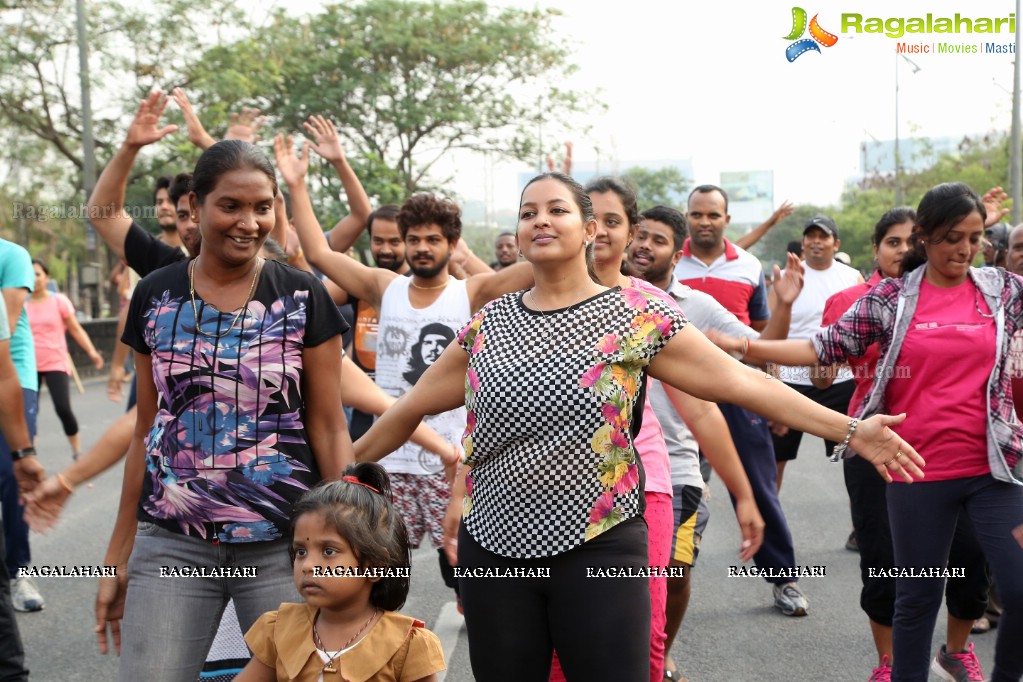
x=409 y=340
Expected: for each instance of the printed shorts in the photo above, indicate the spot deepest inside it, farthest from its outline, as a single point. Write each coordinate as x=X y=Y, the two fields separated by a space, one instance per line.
x=422 y=500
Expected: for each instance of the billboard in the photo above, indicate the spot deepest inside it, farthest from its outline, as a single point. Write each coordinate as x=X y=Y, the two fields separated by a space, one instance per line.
x=750 y=195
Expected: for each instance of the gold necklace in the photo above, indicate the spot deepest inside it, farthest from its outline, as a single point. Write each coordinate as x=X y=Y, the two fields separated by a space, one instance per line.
x=328 y=667
x=237 y=316
x=435 y=286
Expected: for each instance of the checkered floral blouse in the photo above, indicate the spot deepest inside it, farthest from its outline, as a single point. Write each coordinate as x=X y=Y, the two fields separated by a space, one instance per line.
x=550 y=400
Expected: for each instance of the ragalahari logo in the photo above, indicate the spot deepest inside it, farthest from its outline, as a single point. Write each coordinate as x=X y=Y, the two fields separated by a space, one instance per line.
x=818 y=35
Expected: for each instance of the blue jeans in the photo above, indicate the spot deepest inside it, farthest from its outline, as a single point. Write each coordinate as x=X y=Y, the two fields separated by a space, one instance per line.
x=15 y=528
x=170 y=622
x=12 y=654
x=923 y=520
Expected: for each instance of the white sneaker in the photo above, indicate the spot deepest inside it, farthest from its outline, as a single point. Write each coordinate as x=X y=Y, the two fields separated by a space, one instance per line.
x=25 y=595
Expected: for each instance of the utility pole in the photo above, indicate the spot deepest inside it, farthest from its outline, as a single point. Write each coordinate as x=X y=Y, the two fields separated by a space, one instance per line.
x=89 y=275
x=1014 y=143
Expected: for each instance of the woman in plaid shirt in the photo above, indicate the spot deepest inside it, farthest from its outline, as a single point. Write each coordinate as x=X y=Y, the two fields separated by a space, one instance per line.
x=944 y=330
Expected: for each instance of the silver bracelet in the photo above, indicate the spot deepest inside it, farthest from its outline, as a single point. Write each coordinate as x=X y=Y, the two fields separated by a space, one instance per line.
x=840 y=449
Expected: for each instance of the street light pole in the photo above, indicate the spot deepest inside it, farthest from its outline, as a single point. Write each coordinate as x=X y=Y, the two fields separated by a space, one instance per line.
x=898 y=159
x=898 y=167
x=88 y=156
x=1014 y=142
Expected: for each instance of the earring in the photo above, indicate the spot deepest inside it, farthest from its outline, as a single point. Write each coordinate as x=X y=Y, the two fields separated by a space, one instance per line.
x=195 y=218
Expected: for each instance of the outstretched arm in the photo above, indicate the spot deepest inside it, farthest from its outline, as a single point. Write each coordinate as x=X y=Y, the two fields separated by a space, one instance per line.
x=328 y=145
x=106 y=205
x=349 y=274
x=441 y=388
x=691 y=363
x=360 y=392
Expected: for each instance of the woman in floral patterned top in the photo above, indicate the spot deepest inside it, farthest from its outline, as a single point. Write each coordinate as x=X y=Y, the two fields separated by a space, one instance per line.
x=230 y=431
x=552 y=510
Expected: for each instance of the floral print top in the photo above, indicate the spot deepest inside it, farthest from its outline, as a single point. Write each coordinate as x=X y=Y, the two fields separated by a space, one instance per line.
x=551 y=399
x=227 y=455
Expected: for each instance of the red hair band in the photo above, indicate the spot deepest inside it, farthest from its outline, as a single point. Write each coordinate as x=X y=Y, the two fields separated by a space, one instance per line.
x=353 y=479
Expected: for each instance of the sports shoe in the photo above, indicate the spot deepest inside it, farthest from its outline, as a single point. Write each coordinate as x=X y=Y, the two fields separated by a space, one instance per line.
x=962 y=667
x=882 y=673
x=25 y=595
x=789 y=598
x=851 y=544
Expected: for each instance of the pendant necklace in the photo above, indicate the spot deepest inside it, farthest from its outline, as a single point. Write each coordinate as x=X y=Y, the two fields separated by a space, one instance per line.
x=329 y=667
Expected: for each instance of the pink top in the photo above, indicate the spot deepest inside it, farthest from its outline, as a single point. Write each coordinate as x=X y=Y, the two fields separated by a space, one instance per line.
x=940 y=381
x=649 y=442
x=46 y=318
x=863 y=367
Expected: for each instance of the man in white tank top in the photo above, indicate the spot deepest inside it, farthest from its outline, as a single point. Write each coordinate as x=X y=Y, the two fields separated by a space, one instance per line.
x=822 y=277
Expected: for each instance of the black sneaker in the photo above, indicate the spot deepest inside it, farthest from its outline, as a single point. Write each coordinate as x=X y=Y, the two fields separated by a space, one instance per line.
x=851 y=544
x=789 y=598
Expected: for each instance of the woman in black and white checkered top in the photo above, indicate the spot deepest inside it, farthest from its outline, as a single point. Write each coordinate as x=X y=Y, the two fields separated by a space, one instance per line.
x=552 y=488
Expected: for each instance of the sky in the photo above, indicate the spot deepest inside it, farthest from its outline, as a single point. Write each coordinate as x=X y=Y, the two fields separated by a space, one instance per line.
x=710 y=82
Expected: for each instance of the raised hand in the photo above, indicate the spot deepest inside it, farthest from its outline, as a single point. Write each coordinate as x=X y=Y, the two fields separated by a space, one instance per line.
x=144 y=129
x=566 y=164
x=245 y=126
x=197 y=134
x=788 y=286
x=781 y=213
x=293 y=169
x=993 y=200
x=327 y=144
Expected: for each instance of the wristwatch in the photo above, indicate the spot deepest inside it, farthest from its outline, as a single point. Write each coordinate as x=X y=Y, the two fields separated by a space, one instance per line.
x=23 y=453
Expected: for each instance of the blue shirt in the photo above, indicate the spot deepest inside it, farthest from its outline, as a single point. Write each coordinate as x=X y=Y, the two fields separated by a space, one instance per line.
x=16 y=273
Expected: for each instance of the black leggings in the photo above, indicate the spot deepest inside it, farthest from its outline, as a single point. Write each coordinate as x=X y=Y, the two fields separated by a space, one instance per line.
x=59 y=387
x=599 y=626
x=965 y=597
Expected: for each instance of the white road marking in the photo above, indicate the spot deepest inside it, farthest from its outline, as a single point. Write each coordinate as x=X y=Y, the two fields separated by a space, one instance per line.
x=449 y=623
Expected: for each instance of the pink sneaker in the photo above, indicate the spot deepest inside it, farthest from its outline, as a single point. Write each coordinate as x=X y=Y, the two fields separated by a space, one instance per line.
x=962 y=667
x=882 y=673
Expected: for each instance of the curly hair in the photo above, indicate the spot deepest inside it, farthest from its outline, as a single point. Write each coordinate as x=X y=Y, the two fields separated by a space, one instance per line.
x=429 y=209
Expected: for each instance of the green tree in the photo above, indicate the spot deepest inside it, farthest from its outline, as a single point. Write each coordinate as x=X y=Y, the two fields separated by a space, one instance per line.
x=664 y=186
x=408 y=82
x=132 y=47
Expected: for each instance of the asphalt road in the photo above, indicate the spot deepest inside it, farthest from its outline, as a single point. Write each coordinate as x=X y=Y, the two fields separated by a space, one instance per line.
x=732 y=632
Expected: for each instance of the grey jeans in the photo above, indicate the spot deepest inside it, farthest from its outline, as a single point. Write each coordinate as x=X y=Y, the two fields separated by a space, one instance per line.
x=170 y=619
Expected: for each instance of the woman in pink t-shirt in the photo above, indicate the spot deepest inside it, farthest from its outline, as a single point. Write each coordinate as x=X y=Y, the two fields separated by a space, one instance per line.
x=944 y=330
x=52 y=316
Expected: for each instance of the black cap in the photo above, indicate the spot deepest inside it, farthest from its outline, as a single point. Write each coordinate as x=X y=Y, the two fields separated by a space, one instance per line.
x=823 y=222
x=998 y=235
